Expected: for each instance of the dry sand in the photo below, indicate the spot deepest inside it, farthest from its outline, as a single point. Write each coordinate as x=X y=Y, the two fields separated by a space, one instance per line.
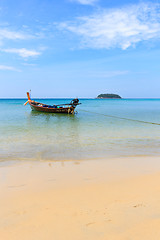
x=117 y=199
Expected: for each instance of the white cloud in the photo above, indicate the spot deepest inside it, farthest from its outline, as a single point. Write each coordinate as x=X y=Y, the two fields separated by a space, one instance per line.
x=12 y=35
x=85 y=2
x=10 y=68
x=22 y=52
x=121 y=27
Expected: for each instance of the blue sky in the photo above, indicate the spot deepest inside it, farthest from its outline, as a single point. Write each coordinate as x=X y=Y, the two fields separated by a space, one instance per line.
x=70 y=48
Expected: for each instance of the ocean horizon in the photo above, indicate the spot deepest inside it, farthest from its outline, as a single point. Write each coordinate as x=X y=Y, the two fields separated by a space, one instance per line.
x=85 y=98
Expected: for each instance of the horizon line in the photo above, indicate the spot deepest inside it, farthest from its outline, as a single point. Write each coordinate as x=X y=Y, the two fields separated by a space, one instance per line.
x=84 y=98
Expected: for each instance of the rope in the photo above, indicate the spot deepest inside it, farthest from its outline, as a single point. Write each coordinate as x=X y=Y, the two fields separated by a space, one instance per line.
x=128 y=119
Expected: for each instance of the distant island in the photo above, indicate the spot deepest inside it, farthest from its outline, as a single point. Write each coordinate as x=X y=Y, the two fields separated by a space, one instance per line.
x=108 y=95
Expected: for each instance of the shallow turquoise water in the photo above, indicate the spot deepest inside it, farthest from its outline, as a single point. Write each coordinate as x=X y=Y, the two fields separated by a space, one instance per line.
x=25 y=134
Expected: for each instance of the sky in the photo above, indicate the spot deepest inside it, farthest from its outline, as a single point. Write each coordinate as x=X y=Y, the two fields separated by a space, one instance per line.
x=79 y=48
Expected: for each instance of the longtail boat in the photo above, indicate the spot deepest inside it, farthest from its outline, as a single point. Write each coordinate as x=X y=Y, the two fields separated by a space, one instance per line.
x=61 y=108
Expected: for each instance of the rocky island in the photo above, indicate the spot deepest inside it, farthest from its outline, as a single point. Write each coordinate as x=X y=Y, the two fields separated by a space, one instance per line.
x=108 y=95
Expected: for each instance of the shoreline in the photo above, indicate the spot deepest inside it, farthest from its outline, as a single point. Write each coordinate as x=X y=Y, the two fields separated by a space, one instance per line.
x=15 y=159
x=115 y=199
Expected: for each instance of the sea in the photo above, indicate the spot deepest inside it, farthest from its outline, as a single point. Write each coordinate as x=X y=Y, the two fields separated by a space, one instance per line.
x=100 y=129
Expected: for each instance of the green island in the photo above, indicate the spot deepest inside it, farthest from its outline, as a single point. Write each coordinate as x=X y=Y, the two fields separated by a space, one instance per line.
x=108 y=95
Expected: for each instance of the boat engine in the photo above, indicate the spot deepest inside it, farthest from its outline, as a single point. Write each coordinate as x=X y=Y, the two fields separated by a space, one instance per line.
x=75 y=102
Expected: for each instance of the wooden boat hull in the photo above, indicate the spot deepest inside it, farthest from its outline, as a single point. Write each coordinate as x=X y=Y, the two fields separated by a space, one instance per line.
x=62 y=108
x=68 y=110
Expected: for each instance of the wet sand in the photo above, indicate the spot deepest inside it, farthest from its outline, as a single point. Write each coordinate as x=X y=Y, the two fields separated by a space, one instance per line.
x=117 y=199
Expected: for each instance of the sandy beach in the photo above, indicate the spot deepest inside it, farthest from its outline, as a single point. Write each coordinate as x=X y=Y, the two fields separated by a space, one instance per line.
x=116 y=199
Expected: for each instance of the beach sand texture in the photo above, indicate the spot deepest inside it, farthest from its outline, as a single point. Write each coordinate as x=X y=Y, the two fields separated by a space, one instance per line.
x=118 y=199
